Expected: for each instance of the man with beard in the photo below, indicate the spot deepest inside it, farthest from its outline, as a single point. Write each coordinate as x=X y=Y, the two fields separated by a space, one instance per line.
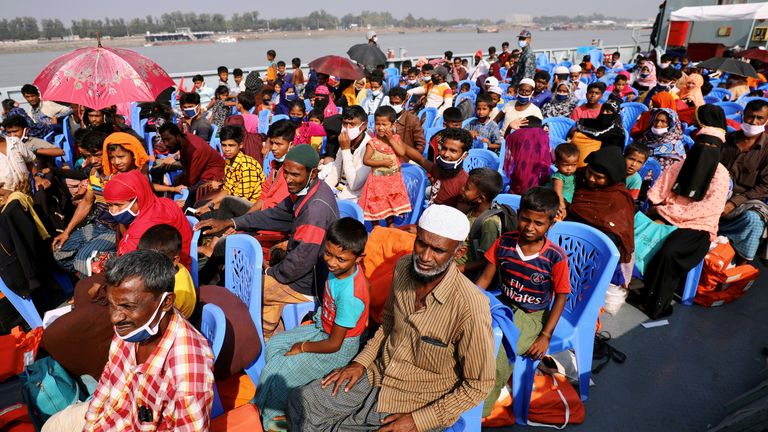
x=446 y=172
x=431 y=359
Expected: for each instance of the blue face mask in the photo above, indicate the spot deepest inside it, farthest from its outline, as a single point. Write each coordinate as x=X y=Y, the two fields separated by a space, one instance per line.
x=448 y=165
x=561 y=97
x=290 y=97
x=191 y=112
x=297 y=120
x=523 y=100
x=146 y=331
x=125 y=216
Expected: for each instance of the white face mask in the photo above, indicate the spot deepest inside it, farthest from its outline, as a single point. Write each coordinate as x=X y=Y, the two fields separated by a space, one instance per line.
x=522 y=44
x=353 y=132
x=659 y=131
x=427 y=78
x=146 y=331
x=398 y=108
x=664 y=65
x=752 y=130
x=376 y=93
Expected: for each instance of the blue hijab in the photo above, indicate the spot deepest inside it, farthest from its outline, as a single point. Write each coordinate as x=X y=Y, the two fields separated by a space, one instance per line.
x=284 y=106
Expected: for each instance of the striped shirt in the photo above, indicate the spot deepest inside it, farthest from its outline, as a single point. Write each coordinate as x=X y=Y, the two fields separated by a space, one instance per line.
x=437 y=362
x=528 y=282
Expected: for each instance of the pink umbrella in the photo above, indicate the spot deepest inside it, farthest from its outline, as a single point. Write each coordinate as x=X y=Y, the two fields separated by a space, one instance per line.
x=101 y=77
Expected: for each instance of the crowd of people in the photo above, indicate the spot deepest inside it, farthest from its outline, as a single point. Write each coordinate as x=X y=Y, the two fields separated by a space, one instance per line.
x=113 y=218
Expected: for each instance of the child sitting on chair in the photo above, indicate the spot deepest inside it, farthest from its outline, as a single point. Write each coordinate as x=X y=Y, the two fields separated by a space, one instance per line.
x=167 y=240
x=531 y=270
x=303 y=354
x=483 y=129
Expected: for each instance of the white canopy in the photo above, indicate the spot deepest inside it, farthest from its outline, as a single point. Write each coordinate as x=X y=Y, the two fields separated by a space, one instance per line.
x=750 y=11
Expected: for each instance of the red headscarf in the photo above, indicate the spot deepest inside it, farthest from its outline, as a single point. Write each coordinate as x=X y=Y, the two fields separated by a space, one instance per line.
x=152 y=211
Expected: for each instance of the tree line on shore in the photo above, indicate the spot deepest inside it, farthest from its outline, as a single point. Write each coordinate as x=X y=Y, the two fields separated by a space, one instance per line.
x=23 y=28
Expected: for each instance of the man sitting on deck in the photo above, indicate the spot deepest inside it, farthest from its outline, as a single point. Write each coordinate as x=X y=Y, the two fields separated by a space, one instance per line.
x=161 y=367
x=432 y=358
x=306 y=214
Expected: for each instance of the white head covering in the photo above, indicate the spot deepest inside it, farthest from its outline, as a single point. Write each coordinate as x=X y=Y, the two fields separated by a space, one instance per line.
x=445 y=221
x=370 y=34
x=528 y=81
x=575 y=69
x=560 y=70
x=496 y=90
x=491 y=82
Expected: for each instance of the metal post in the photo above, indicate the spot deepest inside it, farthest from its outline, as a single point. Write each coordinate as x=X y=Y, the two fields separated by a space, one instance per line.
x=666 y=39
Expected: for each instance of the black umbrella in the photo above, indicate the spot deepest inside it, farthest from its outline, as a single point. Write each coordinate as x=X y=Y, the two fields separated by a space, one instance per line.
x=729 y=65
x=366 y=54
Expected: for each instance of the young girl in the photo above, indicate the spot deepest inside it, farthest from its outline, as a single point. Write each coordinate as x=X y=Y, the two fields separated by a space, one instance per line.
x=384 y=195
x=305 y=353
x=221 y=106
x=307 y=132
x=564 y=181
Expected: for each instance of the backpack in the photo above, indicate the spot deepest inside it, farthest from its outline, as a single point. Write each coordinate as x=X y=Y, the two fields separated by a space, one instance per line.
x=48 y=388
x=508 y=218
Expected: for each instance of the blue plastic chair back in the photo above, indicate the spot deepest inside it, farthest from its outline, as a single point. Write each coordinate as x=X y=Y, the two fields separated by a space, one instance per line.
x=415 y=180
x=69 y=142
x=391 y=71
x=349 y=208
x=542 y=60
x=267 y=166
x=711 y=99
x=651 y=166
x=596 y=56
x=461 y=96
x=371 y=122
x=687 y=141
x=215 y=141
x=558 y=129
x=427 y=117
x=264 y=121
x=278 y=117
x=439 y=122
x=195 y=267
x=472 y=84
x=243 y=277
x=511 y=200
x=632 y=111
x=307 y=105
x=23 y=306
x=213 y=325
x=293 y=314
x=135 y=118
x=481 y=158
x=732 y=110
x=466 y=122
x=721 y=94
x=393 y=81
x=744 y=100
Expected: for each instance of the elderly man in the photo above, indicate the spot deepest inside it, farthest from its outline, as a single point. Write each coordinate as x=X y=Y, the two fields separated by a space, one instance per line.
x=161 y=367
x=431 y=359
x=745 y=155
x=306 y=213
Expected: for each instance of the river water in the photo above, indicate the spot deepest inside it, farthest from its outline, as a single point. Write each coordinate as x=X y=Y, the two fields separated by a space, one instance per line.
x=18 y=68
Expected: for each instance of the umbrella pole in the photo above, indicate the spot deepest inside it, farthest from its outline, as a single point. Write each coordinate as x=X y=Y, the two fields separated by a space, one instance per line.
x=749 y=35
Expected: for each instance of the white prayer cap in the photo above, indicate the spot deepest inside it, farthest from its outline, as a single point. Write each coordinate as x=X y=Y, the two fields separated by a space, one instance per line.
x=491 y=82
x=445 y=221
x=575 y=69
x=528 y=81
x=560 y=70
x=496 y=89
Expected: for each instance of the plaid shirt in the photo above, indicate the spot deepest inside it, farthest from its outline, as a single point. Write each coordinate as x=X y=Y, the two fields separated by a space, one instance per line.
x=176 y=384
x=243 y=177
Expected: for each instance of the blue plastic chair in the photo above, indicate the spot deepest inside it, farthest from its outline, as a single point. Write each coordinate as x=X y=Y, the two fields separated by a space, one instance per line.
x=264 y=121
x=471 y=421
x=558 y=129
x=511 y=200
x=427 y=117
x=732 y=110
x=691 y=285
x=592 y=259
x=721 y=94
x=24 y=306
x=213 y=325
x=135 y=116
x=651 y=165
x=439 y=122
x=711 y=99
x=461 y=96
x=371 y=122
x=68 y=145
x=744 y=100
x=215 y=141
x=481 y=158
x=687 y=141
x=349 y=208
x=278 y=117
x=243 y=277
x=293 y=314
x=632 y=110
x=307 y=105
x=195 y=267
x=415 y=180
x=267 y=166
x=466 y=122
x=472 y=85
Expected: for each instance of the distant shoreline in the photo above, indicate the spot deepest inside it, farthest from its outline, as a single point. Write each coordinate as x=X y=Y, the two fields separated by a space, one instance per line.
x=138 y=41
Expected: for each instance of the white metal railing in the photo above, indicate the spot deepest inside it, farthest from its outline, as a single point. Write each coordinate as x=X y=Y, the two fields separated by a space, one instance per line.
x=554 y=54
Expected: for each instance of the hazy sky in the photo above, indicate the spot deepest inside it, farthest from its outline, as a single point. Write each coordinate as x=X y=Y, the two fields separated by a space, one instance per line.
x=492 y=9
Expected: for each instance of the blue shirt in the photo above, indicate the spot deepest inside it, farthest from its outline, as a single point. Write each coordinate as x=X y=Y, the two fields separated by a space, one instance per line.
x=489 y=130
x=540 y=99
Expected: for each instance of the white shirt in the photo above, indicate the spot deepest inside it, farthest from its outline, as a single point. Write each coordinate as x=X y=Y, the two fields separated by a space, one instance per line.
x=206 y=94
x=481 y=69
x=581 y=90
x=510 y=114
x=349 y=166
x=438 y=96
x=371 y=104
x=13 y=165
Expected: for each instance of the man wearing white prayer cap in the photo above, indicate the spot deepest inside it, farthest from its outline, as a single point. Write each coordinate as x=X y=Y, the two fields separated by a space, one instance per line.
x=579 y=87
x=432 y=358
